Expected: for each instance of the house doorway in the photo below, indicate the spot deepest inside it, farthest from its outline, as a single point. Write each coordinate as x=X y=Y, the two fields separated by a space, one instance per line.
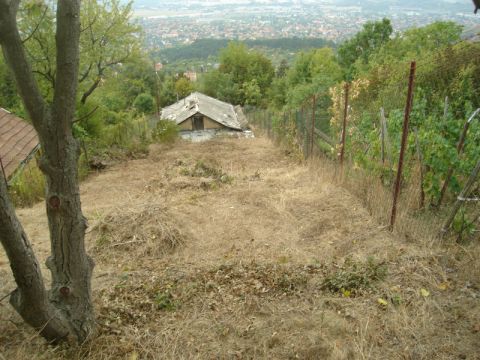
x=198 y=122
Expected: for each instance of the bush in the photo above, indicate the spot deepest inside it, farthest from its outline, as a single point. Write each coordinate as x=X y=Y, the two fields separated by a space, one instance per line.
x=144 y=103
x=165 y=132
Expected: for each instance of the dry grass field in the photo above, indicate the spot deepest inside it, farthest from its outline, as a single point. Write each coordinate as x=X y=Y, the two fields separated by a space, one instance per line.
x=231 y=249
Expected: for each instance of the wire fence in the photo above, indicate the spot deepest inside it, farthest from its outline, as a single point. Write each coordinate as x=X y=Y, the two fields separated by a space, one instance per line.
x=321 y=127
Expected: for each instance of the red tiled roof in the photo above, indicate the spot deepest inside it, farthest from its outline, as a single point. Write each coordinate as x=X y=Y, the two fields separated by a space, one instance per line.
x=17 y=141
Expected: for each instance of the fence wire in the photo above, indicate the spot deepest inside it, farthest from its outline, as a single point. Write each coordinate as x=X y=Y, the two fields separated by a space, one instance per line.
x=311 y=128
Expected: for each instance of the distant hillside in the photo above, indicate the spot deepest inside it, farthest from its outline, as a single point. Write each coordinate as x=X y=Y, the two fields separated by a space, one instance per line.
x=204 y=48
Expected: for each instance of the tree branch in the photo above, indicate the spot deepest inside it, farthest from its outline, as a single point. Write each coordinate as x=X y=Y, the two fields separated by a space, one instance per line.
x=86 y=73
x=67 y=46
x=88 y=115
x=90 y=90
x=36 y=27
x=16 y=58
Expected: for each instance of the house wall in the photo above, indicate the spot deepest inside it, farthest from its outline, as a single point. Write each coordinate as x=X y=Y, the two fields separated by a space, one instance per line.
x=208 y=124
x=186 y=125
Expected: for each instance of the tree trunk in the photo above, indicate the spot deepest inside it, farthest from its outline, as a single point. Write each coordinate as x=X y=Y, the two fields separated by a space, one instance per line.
x=30 y=299
x=69 y=263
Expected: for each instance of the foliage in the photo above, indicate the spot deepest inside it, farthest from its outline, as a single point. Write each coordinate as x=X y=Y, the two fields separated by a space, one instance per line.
x=108 y=41
x=220 y=86
x=355 y=276
x=144 y=103
x=183 y=87
x=205 y=48
x=28 y=186
x=251 y=71
x=373 y=35
x=165 y=132
x=205 y=169
x=453 y=74
x=8 y=96
x=312 y=73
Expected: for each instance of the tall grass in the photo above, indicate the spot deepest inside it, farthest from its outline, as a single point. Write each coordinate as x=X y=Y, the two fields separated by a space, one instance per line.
x=28 y=186
x=165 y=132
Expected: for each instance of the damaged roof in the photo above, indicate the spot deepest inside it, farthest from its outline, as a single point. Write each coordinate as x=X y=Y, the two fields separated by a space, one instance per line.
x=18 y=140
x=216 y=110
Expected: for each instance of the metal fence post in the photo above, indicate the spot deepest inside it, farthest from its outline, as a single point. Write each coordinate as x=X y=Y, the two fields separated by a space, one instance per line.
x=344 y=130
x=408 y=108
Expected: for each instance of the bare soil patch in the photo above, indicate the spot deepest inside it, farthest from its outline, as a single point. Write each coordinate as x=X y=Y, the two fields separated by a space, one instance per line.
x=230 y=249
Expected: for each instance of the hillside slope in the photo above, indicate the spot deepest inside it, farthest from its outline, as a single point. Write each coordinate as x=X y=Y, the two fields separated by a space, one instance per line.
x=232 y=250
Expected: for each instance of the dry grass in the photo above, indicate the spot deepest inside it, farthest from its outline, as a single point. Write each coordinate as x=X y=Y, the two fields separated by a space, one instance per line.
x=278 y=262
x=146 y=230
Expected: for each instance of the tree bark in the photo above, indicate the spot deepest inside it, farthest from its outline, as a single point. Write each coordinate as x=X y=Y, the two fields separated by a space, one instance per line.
x=71 y=267
x=30 y=299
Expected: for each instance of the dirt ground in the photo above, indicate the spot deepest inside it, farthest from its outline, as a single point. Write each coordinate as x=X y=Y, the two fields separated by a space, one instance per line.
x=231 y=249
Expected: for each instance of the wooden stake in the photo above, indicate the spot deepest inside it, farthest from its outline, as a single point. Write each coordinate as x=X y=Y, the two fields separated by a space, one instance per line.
x=460 y=146
x=461 y=199
x=422 y=168
x=344 y=131
x=312 y=134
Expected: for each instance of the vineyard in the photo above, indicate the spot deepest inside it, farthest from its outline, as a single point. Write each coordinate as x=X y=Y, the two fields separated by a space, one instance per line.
x=418 y=133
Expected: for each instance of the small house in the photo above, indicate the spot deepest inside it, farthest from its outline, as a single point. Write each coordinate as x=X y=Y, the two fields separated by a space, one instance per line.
x=201 y=113
x=18 y=143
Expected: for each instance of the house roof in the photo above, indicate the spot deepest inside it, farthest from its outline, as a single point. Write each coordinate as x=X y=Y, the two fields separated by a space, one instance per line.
x=196 y=102
x=18 y=139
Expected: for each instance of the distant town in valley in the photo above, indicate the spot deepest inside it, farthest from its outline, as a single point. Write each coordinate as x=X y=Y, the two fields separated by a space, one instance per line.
x=173 y=23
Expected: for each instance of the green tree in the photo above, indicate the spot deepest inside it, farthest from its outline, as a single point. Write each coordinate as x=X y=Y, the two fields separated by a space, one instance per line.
x=108 y=40
x=183 y=87
x=167 y=91
x=220 y=86
x=144 y=103
x=413 y=43
x=312 y=72
x=244 y=66
x=8 y=96
x=282 y=68
x=373 y=35
x=252 y=93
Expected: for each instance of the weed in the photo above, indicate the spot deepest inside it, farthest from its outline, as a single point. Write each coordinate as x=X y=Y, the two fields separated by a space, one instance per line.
x=355 y=276
x=164 y=301
x=204 y=170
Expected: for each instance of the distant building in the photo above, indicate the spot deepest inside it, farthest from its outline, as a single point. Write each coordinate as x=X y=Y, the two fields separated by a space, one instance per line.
x=18 y=143
x=191 y=75
x=201 y=113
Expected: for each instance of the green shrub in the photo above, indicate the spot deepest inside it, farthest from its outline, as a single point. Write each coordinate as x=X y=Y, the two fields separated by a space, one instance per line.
x=165 y=132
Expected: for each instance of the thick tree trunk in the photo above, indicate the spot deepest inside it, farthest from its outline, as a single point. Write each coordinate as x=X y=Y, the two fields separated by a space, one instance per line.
x=30 y=298
x=69 y=263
